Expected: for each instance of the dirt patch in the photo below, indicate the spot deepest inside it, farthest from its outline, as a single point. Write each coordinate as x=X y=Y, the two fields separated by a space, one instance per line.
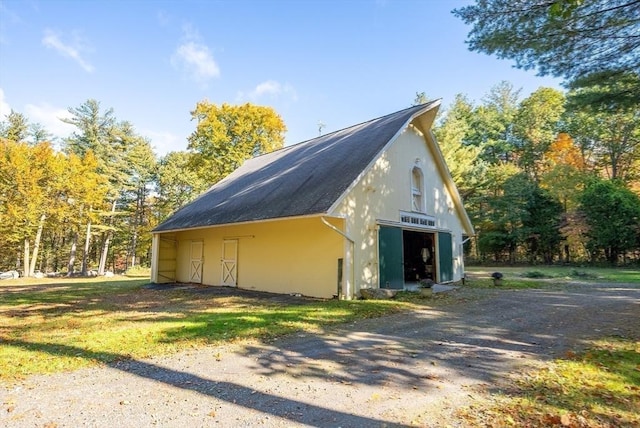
x=223 y=292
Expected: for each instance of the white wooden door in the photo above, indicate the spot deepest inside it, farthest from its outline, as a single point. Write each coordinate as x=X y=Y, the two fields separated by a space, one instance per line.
x=230 y=262
x=195 y=272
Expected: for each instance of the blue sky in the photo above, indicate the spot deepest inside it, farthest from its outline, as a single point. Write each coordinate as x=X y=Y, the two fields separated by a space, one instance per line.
x=335 y=62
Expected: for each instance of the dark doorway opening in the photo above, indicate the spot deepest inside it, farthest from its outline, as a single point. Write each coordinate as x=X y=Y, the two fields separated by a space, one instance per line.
x=419 y=255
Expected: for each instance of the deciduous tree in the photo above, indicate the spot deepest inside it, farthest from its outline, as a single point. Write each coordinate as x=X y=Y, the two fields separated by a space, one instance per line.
x=541 y=225
x=22 y=195
x=492 y=123
x=609 y=133
x=227 y=135
x=612 y=214
x=176 y=183
x=40 y=194
x=535 y=128
x=564 y=172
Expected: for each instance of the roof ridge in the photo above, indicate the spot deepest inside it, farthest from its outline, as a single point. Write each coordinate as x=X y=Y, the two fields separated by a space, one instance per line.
x=346 y=128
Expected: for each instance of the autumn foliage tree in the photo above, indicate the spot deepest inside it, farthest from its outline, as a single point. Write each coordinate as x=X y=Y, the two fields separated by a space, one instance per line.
x=608 y=133
x=594 y=46
x=227 y=135
x=534 y=160
x=40 y=190
x=23 y=196
x=535 y=128
x=126 y=160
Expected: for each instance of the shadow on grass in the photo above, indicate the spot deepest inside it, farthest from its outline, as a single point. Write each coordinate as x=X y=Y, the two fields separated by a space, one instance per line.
x=66 y=291
x=259 y=320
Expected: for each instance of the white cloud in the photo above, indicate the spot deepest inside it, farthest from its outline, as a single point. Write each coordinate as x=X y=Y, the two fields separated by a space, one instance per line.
x=44 y=114
x=195 y=58
x=49 y=117
x=70 y=50
x=5 y=108
x=269 y=89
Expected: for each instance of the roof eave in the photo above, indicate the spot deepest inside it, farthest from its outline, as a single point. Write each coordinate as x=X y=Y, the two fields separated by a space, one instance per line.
x=241 y=223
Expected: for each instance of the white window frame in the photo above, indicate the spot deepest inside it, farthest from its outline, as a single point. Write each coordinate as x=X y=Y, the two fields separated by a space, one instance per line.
x=417 y=190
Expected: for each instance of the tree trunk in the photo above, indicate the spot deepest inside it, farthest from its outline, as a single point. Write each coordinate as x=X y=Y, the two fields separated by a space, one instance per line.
x=36 y=246
x=26 y=258
x=105 y=246
x=138 y=219
x=85 y=255
x=105 y=253
x=134 y=244
x=72 y=254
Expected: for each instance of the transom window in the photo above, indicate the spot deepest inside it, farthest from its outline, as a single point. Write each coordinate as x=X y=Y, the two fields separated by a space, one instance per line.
x=417 y=190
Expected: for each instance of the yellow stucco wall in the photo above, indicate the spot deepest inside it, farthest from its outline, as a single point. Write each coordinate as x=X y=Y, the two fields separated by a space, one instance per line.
x=385 y=190
x=285 y=256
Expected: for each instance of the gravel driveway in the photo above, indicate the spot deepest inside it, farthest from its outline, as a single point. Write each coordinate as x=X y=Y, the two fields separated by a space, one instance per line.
x=404 y=370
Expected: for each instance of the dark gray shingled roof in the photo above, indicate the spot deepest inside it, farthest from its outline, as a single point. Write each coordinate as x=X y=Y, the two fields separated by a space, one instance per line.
x=298 y=180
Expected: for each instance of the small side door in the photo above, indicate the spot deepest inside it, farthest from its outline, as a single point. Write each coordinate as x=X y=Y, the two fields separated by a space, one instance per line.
x=445 y=257
x=195 y=270
x=390 y=254
x=230 y=262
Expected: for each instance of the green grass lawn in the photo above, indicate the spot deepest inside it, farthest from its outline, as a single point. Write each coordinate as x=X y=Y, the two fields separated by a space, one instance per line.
x=52 y=325
x=530 y=276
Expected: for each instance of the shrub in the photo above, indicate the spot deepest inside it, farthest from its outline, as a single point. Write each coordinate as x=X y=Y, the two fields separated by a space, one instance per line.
x=534 y=274
x=575 y=273
x=141 y=271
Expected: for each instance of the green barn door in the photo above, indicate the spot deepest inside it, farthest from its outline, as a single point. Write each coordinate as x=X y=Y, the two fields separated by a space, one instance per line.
x=390 y=253
x=445 y=255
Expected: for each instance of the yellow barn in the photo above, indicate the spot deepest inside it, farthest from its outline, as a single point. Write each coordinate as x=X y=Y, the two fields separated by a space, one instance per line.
x=369 y=206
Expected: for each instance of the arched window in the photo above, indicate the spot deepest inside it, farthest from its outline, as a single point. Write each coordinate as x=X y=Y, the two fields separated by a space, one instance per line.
x=417 y=190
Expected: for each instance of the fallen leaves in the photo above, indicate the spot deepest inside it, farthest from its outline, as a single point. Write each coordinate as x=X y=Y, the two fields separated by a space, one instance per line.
x=564 y=420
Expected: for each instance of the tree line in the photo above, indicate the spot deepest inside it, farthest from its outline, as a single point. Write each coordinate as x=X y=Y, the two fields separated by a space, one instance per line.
x=88 y=207
x=547 y=178
x=565 y=168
